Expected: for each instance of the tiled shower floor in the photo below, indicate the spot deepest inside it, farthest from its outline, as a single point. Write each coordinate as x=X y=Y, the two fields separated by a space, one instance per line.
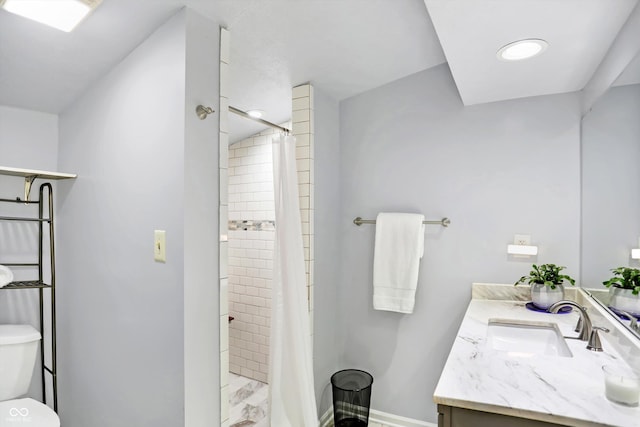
x=248 y=402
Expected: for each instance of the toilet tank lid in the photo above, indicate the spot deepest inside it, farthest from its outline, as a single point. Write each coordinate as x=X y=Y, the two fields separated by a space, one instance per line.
x=18 y=334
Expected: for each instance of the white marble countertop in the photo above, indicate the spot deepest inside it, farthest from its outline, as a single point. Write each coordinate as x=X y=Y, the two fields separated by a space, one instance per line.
x=562 y=390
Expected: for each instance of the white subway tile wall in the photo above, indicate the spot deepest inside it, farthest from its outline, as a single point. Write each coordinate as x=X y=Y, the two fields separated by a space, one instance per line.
x=303 y=129
x=251 y=199
x=250 y=248
x=223 y=218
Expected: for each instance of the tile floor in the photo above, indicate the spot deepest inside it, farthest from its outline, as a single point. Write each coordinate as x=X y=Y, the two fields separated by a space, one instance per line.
x=248 y=402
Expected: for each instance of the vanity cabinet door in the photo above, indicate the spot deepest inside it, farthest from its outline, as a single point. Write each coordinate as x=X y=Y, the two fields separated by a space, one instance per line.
x=444 y=416
x=451 y=416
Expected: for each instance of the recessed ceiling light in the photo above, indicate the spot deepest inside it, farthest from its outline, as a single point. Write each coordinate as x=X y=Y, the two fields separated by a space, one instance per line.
x=61 y=14
x=522 y=49
x=256 y=114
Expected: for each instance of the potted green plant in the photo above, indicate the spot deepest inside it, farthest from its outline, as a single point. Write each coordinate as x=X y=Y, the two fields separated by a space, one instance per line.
x=546 y=284
x=624 y=290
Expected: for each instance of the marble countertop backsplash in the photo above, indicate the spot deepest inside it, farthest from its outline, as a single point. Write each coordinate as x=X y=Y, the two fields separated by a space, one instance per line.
x=499 y=291
x=563 y=390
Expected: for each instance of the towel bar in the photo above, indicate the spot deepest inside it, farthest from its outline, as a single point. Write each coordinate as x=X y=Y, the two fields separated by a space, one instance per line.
x=443 y=222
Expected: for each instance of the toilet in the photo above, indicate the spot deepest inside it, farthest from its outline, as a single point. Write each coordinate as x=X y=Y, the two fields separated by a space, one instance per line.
x=18 y=350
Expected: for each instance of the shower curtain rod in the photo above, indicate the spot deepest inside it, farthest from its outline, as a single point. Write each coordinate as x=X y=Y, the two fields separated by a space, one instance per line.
x=264 y=122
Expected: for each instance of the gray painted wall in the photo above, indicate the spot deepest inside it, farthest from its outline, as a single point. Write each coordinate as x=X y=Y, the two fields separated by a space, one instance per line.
x=120 y=313
x=407 y=146
x=28 y=139
x=124 y=320
x=201 y=226
x=327 y=250
x=610 y=184
x=495 y=170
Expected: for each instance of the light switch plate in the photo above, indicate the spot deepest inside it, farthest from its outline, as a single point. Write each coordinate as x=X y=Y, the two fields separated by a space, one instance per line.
x=159 y=246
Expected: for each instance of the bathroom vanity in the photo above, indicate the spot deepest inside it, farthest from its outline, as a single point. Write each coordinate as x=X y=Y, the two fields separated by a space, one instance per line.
x=530 y=383
x=452 y=416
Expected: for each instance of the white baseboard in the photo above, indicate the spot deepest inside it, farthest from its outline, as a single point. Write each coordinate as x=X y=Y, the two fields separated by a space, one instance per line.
x=390 y=420
x=387 y=420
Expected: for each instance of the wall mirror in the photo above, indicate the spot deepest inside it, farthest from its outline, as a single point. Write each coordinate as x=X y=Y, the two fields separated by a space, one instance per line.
x=610 y=159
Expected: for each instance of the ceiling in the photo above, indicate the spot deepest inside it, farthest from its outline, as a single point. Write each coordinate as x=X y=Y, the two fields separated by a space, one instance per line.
x=344 y=47
x=579 y=33
x=630 y=75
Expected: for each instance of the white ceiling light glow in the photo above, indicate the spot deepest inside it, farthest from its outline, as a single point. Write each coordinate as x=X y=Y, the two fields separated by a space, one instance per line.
x=522 y=49
x=64 y=15
x=256 y=114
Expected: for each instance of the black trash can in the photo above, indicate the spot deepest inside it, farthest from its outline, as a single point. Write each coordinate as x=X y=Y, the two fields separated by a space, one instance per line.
x=351 y=398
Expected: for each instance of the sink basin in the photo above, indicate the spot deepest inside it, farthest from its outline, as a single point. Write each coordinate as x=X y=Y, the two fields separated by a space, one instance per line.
x=526 y=338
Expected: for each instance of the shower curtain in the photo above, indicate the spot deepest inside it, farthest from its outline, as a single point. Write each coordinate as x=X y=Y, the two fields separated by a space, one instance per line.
x=292 y=398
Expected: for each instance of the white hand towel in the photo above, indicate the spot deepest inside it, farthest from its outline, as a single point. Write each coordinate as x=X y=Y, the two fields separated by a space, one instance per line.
x=399 y=246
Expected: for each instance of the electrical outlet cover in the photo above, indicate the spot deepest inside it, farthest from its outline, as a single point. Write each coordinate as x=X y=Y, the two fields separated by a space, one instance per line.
x=522 y=239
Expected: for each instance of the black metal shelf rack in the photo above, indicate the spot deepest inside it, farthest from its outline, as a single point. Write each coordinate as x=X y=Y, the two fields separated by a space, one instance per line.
x=45 y=233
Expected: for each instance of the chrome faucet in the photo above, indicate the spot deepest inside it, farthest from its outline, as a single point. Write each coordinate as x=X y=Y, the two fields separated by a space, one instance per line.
x=633 y=322
x=594 y=339
x=584 y=325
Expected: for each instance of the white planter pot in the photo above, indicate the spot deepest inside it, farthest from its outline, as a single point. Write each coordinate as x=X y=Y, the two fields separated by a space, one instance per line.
x=544 y=297
x=624 y=300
